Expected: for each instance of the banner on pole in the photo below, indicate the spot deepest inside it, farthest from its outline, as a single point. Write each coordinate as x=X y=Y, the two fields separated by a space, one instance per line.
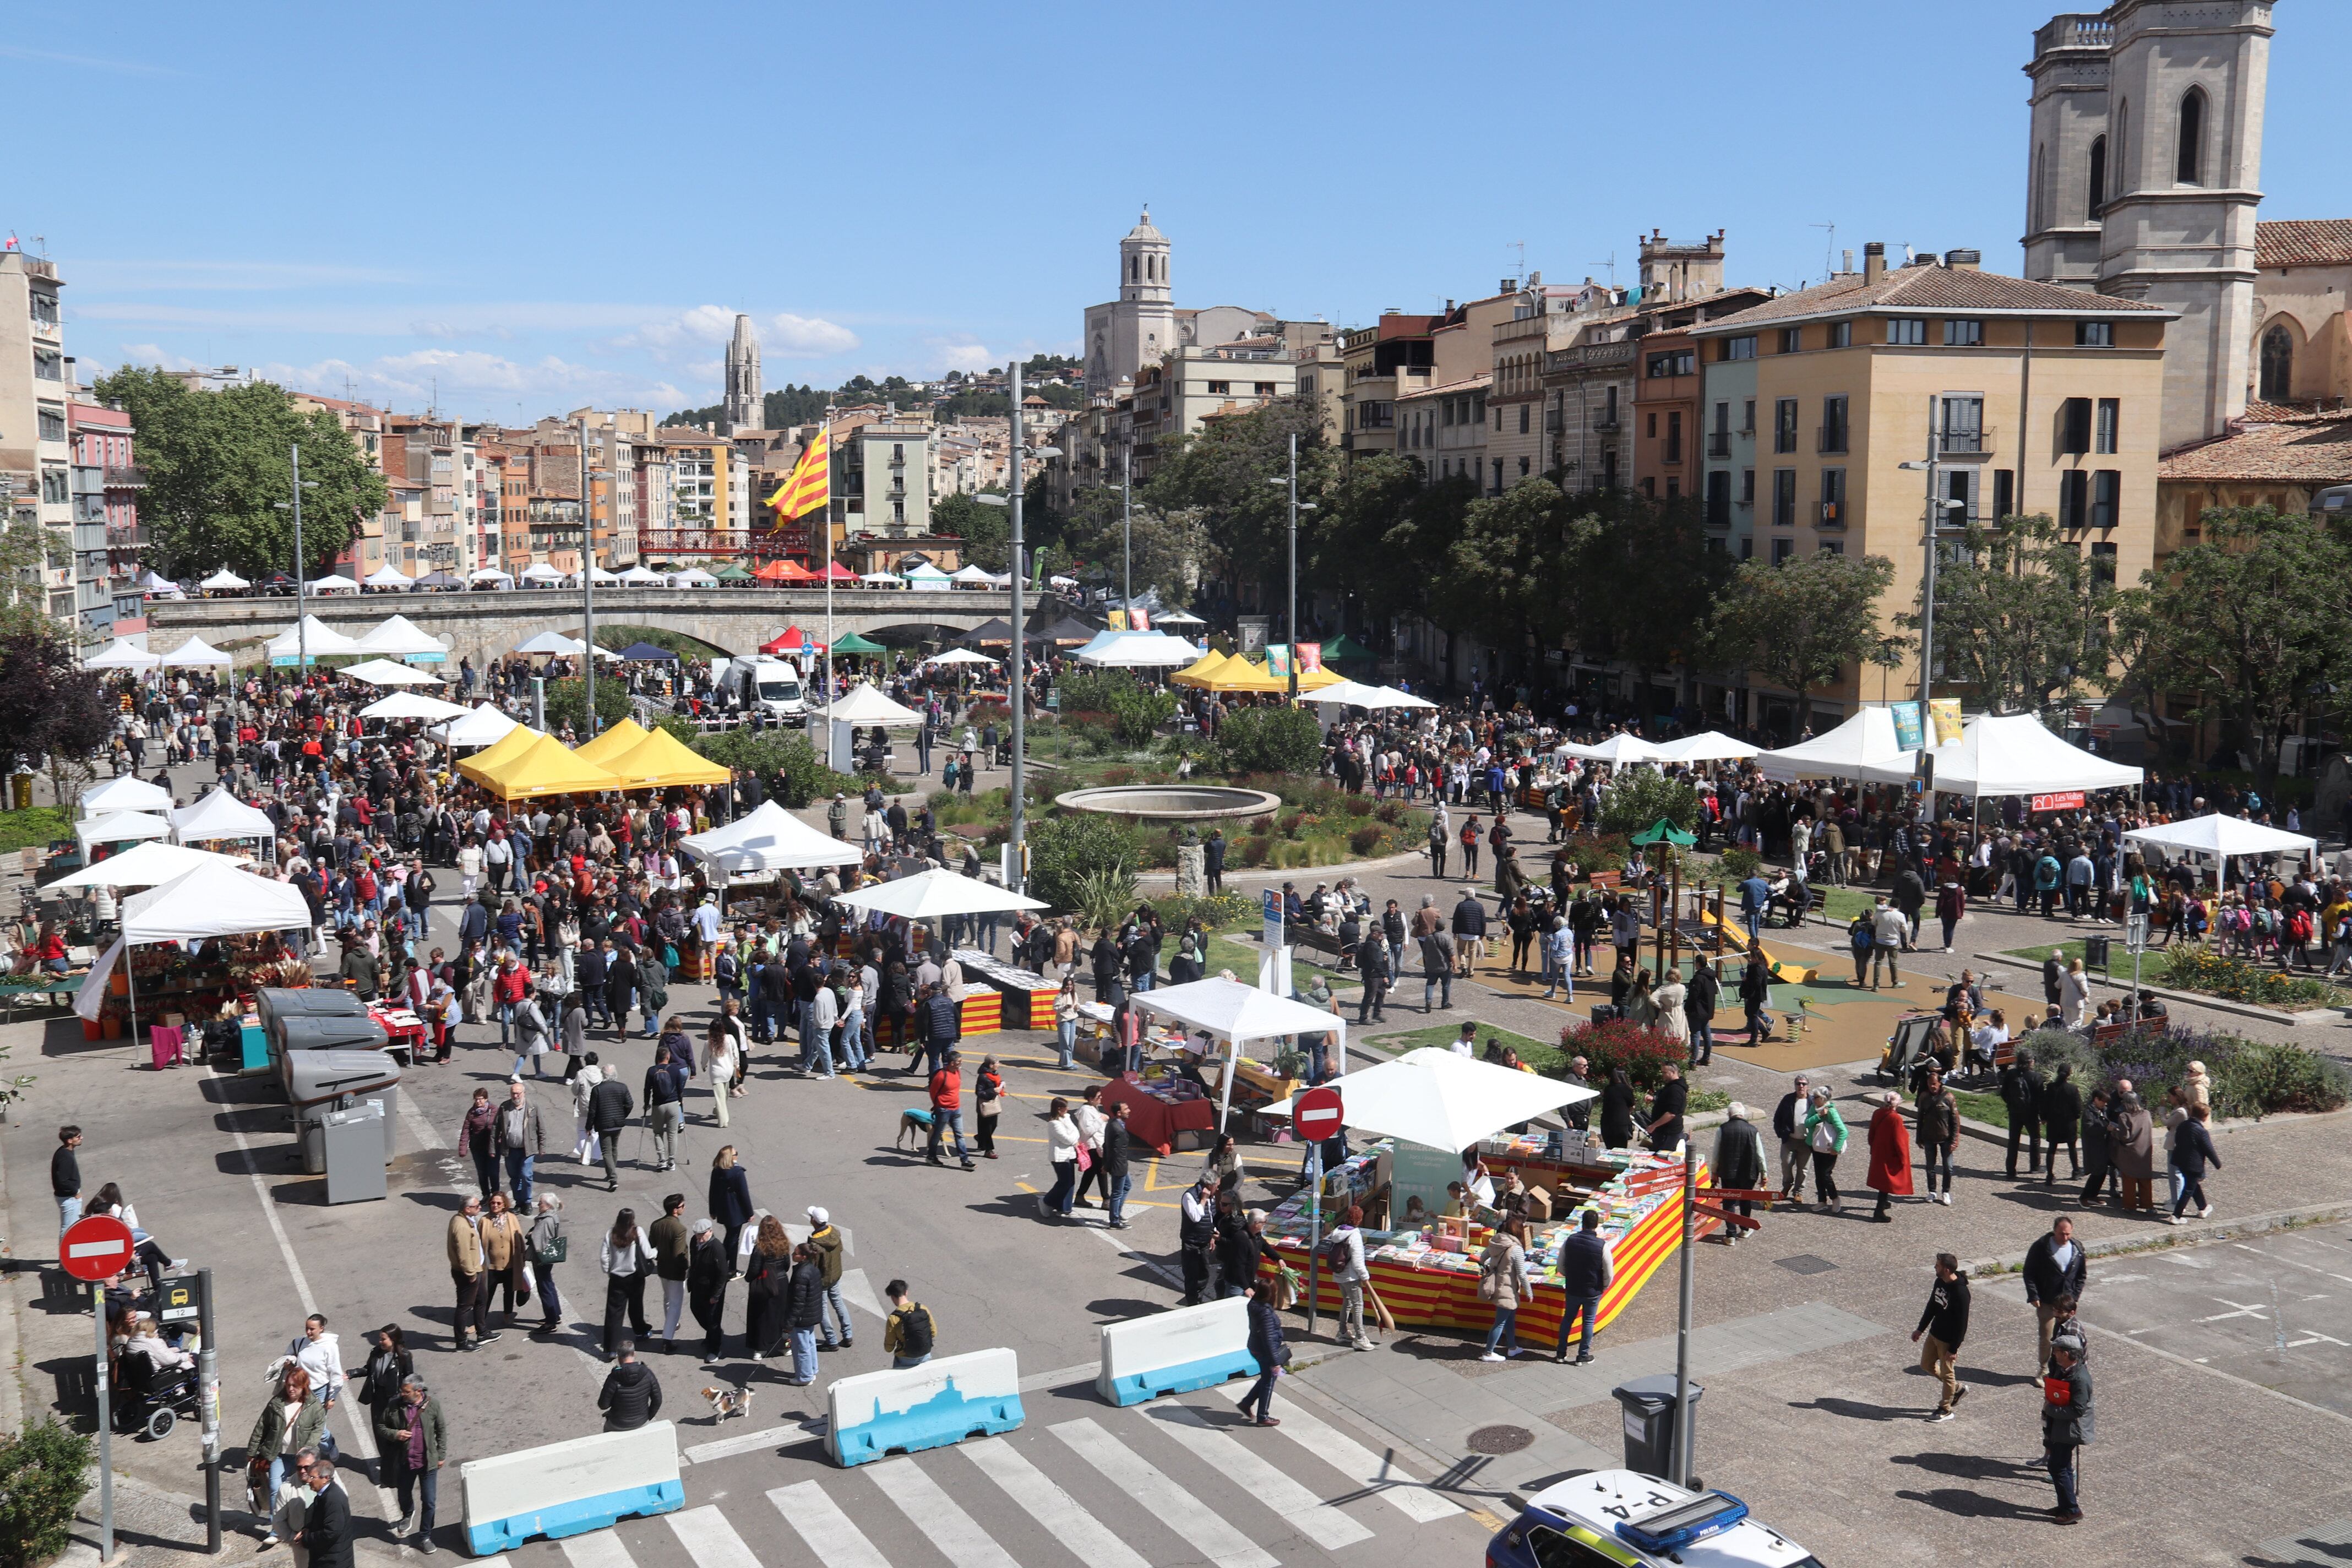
x=1944 y=718
x=1907 y=725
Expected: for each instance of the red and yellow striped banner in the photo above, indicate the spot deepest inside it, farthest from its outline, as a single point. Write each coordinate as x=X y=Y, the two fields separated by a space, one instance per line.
x=804 y=490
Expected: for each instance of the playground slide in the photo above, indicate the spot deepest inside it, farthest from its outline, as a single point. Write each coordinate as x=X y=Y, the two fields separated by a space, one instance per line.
x=1735 y=940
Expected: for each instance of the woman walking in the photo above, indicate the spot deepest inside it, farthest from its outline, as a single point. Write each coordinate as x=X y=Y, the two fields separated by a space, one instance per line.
x=988 y=1095
x=1890 y=1157
x=289 y=1423
x=585 y=1075
x=476 y=1136
x=719 y=1048
x=730 y=1199
x=1063 y=1143
x=1825 y=1137
x=766 y=1282
x=1503 y=1280
x=2193 y=1152
x=1939 y=1134
x=1267 y=1348
x=548 y=1246
x=628 y=1258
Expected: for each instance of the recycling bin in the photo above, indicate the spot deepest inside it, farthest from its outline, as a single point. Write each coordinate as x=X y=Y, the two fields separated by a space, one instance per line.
x=1649 y=1407
x=352 y=1149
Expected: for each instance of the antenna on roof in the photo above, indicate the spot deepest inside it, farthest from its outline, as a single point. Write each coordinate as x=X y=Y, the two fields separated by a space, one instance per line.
x=1829 y=249
x=1521 y=247
x=1611 y=264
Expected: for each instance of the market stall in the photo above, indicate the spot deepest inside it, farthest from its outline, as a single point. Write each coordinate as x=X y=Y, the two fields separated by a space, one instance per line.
x=484 y=725
x=220 y=818
x=1025 y=998
x=1235 y=1014
x=1863 y=741
x=2221 y=839
x=210 y=934
x=764 y=841
x=2010 y=754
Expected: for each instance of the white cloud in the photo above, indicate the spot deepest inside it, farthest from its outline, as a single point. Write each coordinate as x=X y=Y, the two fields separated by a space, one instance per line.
x=155 y=355
x=806 y=337
x=963 y=356
x=687 y=331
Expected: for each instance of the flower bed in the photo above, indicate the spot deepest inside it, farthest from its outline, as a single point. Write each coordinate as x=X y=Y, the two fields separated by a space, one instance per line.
x=2197 y=967
x=2249 y=1078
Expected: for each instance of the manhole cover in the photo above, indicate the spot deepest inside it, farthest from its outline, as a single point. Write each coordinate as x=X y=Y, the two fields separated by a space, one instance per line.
x=1499 y=1439
x=1805 y=1263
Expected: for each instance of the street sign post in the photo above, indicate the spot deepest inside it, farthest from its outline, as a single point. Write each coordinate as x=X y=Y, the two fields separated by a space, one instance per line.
x=96 y=1250
x=2135 y=943
x=1315 y=1116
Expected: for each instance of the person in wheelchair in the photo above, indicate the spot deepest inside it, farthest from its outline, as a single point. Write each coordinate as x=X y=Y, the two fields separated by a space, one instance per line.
x=155 y=1383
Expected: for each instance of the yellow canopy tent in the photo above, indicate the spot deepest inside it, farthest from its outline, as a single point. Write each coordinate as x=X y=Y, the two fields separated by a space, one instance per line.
x=512 y=744
x=661 y=759
x=547 y=767
x=1240 y=675
x=622 y=737
x=1317 y=679
x=1201 y=671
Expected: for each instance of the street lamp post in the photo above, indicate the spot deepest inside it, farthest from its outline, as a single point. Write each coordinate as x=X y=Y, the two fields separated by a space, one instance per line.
x=1014 y=874
x=1290 y=620
x=301 y=632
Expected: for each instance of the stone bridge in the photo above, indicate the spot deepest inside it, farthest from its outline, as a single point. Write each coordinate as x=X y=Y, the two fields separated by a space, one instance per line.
x=489 y=623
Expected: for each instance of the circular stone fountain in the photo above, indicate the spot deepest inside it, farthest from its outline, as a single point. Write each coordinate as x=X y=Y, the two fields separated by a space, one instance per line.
x=1171 y=802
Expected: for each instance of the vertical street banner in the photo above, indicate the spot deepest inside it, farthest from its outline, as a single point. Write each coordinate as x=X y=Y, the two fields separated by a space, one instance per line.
x=1907 y=725
x=1277 y=660
x=1310 y=658
x=1943 y=718
x=1117 y=621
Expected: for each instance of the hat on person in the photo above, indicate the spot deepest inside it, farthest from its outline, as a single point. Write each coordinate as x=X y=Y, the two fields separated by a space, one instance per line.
x=816 y=1216
x=2067 y=1342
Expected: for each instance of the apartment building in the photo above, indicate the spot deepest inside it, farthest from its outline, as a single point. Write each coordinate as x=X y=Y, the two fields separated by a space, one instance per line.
x=35 y=386
x=106 y=531
x=2027 y=397
x=1390 y=365
x=882 y=480
x=1444 y=428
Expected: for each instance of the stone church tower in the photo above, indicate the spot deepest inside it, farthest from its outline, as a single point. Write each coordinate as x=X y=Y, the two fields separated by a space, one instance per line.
x=1124 y=335
x=743 y=404
x=2144 y=173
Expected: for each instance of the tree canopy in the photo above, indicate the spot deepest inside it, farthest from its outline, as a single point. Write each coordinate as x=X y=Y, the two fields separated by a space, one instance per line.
x=2022 y=620
x=1800 y=623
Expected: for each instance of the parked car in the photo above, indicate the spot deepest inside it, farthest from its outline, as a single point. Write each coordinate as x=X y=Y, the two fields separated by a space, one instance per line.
x=1634 y=1521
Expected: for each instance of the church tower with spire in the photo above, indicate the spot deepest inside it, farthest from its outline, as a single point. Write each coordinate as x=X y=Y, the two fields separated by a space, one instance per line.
x=1123 y=335
x=743 y=408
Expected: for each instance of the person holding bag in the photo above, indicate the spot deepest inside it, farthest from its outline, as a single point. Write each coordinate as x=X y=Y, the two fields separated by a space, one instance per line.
x=1503 y=1280
x=546 y=1246
x=1825 y=1138
x=1063 y=1148
x=988 y=1095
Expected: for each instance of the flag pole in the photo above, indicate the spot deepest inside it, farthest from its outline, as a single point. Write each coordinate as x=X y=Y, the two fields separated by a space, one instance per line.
x=827 y=522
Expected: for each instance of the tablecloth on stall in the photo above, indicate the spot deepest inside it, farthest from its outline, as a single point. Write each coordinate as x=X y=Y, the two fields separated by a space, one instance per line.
x=980 y=1013
x=1155 y=1117
x=1028 y=997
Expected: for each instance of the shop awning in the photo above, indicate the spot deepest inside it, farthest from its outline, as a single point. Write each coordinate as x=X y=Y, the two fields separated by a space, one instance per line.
x=546 y=767
x=513 y=744
x=215 y=898
x=661 y=760
x=928 y=894
x=144 y=865
x=1431 y=1097
x=770 y=839
x=622 y=737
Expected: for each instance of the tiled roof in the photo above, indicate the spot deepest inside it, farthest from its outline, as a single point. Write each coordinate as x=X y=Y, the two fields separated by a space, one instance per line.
x=1928 y=287
x=2303 y=242
x=2305 y=450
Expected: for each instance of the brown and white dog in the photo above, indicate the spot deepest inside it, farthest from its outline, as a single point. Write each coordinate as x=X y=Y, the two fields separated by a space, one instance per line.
x=729 y=1399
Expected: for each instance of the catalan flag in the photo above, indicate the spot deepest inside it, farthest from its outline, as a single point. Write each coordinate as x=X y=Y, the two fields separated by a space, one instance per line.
x=807 y=490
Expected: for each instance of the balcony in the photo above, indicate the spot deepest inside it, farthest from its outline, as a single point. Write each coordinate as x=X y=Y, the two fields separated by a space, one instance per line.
x=1606 y=421
x=1831 y=438
x=1719 y=444
x=1833 y=514
x=126 y=477
x=1964 y=445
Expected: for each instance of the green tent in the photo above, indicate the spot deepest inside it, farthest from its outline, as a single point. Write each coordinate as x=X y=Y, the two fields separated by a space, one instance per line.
x=853 y=643
x=1345 y=649
x=1663 y=831
x=733 y=574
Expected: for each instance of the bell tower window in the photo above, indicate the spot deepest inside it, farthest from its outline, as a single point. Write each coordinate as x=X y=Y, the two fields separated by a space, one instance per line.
x=2188 y=157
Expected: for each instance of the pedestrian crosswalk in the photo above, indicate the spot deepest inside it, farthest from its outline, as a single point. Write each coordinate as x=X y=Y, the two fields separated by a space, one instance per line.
x=1181 y=1481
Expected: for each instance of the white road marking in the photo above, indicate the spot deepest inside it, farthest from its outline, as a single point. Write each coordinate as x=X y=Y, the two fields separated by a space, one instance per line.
x=709 y=1539
x=1083 y=1372
x=2291 y=1263
x=2256 y=1310
x=1173 y=1506
x=750 y=1442
x=939 y=1516
x=600 y=1550
x=1325 y=1525
x=837 y=1541
x=1091 y=1541
x=859 y=1291
x=1358 y=1463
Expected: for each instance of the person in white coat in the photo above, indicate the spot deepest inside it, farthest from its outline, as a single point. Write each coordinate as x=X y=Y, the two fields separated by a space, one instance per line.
x=319 y=1354
x=586 y=1147
x=2074 y=995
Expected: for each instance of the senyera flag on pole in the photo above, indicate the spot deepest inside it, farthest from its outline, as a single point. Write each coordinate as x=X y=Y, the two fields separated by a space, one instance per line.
x=804 y=490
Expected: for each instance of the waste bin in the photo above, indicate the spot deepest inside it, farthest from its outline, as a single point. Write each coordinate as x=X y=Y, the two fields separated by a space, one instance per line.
x=320 y=1001
x=352 y=1145
x=1649 y=1407
x=308 y=1032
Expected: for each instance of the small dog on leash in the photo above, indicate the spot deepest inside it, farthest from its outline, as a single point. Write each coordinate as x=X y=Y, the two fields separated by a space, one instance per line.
x=729 y=1399
x=914 y=1128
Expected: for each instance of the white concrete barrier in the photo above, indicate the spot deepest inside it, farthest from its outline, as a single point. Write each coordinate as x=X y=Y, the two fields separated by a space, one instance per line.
x=569 y=1488
x=945 y=1400
x=1173 y=1352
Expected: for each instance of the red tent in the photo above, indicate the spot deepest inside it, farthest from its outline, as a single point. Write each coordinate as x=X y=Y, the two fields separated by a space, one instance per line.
x=782 y=570
x=836 y=571
x=791 y=639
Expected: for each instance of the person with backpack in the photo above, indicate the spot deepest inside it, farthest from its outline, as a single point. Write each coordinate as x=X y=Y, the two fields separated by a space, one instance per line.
x=1343 y=1255
x=911 y=1332
x=1859 y=939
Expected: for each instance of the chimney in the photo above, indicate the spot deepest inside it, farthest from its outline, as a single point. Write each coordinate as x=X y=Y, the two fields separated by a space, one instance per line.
x=1873 y=261
x=1964 y=260
x=1848 y=267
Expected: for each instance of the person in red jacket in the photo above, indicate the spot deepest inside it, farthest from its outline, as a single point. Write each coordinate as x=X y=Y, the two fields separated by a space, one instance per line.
x=947 y=1109
x=1890 y=1156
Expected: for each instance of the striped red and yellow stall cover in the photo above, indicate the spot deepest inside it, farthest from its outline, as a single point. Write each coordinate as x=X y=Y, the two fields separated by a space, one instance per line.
x=1448 y=1299
x=981 y=1014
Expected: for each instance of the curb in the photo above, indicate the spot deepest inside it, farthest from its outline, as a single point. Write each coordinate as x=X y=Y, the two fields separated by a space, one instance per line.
x=2190 y=998
x=2175 y=1235
x=1345 y=868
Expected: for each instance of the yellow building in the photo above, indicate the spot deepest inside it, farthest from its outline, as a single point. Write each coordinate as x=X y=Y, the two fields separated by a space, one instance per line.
x=2027 y=397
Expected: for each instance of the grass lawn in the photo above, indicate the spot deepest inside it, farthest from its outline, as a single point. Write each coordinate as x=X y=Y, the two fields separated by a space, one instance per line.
x=2068 y=951
x=1840 y=905
x=1982 y=1106
x=35 y=825
x=1535 y=1053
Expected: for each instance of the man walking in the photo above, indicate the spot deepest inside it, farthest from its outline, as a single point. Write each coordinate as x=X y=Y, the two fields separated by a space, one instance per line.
x=520 y=1136
x=413 y=1436
x=947 y=1107
x=1372 y=964
x=1584 y=1274
x=1789 y=1126
x=664 y=1088
x=671 y=1244
x=608 y=1112
x=824 y=1241
x=471 y=1325
x=1943 y=1325
x=2021 y=1091
x=1469 y=933
x=2066 y=1423
x=2054 y=1266
x=1888 y=932
x=327 y=1521
x=632 y=1395
x=910 y=1332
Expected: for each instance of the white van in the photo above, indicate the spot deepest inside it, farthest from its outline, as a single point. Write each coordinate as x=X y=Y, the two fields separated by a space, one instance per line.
x=770 y=684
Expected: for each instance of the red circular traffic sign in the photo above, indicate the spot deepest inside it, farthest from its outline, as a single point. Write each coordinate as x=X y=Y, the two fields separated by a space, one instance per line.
x=1316 y=1114
x=95 y=1249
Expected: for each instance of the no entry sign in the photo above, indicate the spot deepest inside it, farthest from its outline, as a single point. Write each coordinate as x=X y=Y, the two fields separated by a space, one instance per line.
x=1317 y=1114
x=95 y=1248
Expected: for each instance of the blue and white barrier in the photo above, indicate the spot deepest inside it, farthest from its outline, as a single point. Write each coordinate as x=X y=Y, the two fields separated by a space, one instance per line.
x=1175 y=1352
x=943 y=1401
x=569 y=1487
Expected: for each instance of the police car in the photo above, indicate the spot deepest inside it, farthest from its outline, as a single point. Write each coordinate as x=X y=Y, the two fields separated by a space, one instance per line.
x=1622 y=1519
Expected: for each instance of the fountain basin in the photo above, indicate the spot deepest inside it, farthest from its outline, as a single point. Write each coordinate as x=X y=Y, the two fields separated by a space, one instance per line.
x=1171 y=802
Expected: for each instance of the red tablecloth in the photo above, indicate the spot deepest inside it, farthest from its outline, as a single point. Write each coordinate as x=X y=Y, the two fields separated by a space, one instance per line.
x=1155 y=1121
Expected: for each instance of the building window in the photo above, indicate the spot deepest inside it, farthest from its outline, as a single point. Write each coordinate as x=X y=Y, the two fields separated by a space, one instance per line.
x=1678 y=362
x=1959 y=333
x=1792 y=339
x=1650 y=426
x=1782 y=549
x=2098 y=192
x=2074 y=436
x=1959 y=498
x=1262 y=388
x=48 y=365
x=2188 y=157
x=2095 y=334
x=1747 y=547
x=2278 y=365
x=2106 y=497
x=45 y=310
x=1650 y=488
x=1784 y=497
x=54 y=490
x=1963 y=424
x=1832 y=497
x=2074 y=498
x=1673 y=488
x=1841 y=334
x=1784 y=425
x=1609 y=468
x=1525 y=464
x=1910 y=330
x=1748 y=417
x=1748 y=486
x=2110 y=415
x=1834 y=547
x=1718 y=499
x=2103 y=564
x=1739 y=348
x=1221 y=388
x=1674 y=435
x=1497 y=489
x=1523 y=416
x=2004 y=494
x=1834 y=431
x=53 y=428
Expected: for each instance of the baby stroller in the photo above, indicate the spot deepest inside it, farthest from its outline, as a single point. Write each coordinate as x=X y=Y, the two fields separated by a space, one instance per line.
x=149 y=1400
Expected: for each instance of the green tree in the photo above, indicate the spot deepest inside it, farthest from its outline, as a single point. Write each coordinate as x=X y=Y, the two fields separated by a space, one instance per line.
x=1801 y=623
x=1166 y=545
x=1515 y=571
x=567 y=703
x=1269 y=740
x=1388 y=536
x=25 y=548
x=218 y=467
x=50 y=706
x=1635 y=799
x=43 y=1477
x=986 y=531
x=1223 y=475
x=2022 y=620
x=2249 y=622
x=1063 y=850
x=1650 y=578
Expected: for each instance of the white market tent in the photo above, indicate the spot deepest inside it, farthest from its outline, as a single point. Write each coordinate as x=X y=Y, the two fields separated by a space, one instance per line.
x=1236 y=1012
x=323 y=639
x=960 y=656
x=220 y=814
x=882 y=580
x=121 y=654
x=602 y=577
x=1617 y=751
x=224 y=579
x=335 y=583
x=1433 y=1098
x=693 y=577
x=925 y=576
x=1177 y=618
x=141 y=865
x=540 y=572
x=483 y=726
x=2011 y=754
x=1714 y=746
x=387 y=672
x=928 y=894
x=1863 y=741
x=2222 y=837
x=197 y=653
x=767 y=840
x=215 y=898
x=400 y=638
x=864 y=704
x=415 y=705
x=1138 y=649
x=489 y=574
x=1348 y=694
x=389 y=577
x=128 y=792
x=977 y=576
x=120 y=828
x=642 y=575
x=549 y=642
x=154 y=582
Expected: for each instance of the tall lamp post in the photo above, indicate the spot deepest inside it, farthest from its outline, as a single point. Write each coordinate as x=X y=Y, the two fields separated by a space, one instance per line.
x=301 y=632
x=1290 y=620
x=1127 y=528
x=1015 y=875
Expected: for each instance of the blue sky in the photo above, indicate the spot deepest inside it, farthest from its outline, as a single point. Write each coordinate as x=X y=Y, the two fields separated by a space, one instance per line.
x=519 y=209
